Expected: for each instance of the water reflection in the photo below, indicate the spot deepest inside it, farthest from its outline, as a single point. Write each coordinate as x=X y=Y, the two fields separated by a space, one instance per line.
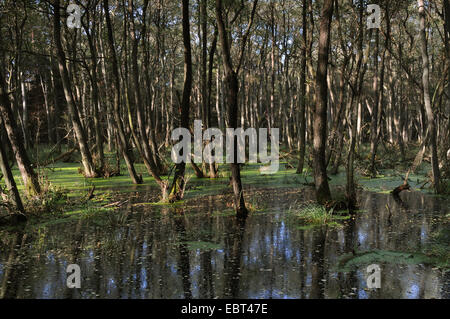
x=190 y=252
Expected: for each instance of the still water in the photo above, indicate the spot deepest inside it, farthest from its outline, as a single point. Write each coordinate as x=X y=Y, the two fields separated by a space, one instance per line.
x=199 y=250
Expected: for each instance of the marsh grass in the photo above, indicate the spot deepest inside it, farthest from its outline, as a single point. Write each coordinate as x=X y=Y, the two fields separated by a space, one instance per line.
x=313 y=215
x=51 y=200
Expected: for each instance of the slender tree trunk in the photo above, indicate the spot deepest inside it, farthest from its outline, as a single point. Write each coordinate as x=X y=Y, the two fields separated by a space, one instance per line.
x=48 y=112
x=123 y=142
x=212 y=51
x=106 y=100
x=272 y=67
x=204 y=61
x=55 y=106
x=356 y=98
x=142 y=144
x=29 y=177
x=14 y=195
x=177 y=187
x=95 y=99
x=320 y=114
x=231 y=98
x=302 y=124
x=23 y=92
x=89 y=168
x=427 y=99
x=447 y=57
x=374 y=120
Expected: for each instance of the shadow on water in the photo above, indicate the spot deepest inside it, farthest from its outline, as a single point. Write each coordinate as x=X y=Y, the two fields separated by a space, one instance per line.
x=200 y=250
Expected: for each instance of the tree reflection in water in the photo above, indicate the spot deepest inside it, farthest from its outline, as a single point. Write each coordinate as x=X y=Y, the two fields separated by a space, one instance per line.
x=147 y=252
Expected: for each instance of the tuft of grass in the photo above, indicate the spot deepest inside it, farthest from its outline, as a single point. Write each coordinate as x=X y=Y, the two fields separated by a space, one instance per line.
x=51 y=201
x=314 y=215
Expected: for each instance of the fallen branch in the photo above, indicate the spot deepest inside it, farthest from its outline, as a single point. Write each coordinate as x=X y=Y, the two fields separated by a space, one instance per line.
x=60 y=157
x=116 y=204
x=423 y=184
x=417 y=161
x=401 y=188
x=91 y=193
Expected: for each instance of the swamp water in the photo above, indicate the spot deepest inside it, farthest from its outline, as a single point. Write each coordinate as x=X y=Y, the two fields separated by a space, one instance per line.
x=197 y=249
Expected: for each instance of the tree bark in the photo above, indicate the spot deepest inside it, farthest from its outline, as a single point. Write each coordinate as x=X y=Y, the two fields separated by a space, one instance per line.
x=123 y=142
x=447 y=57
x=323 y=193
x=302 y=124
x=95 y=97
x=212 y=51
x=177 y=187
x=142 y=143
x=29 y=177
x=427 y=99
x=231 y=98
x=374 y=120
x=14 y=195
x=89 y=168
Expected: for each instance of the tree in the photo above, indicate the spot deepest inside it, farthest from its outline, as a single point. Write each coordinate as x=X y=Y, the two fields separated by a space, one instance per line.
x=447 y=72
x=302 y=124
x=320 y=113
x=29 y=177
x=88 y=165
x=94 y=80
x=231 y=98
x=122 y=139
x=426 y=97
x=177 y=187
x=14 y=195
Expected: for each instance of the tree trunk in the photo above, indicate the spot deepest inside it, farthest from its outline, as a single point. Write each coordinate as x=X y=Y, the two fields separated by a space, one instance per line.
x=142 y=144
x=89 y=168
x=447 y=57
x=320 y=114
x=356 y=97
x=14 y=195
x=123 y=142
x=427 y=99
x=23 y=92
x=177 y=187
x=374 y=121
x=212 y=166
x=95 y=99
x=231 y=98
x=302 y=124
x=29 y=177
